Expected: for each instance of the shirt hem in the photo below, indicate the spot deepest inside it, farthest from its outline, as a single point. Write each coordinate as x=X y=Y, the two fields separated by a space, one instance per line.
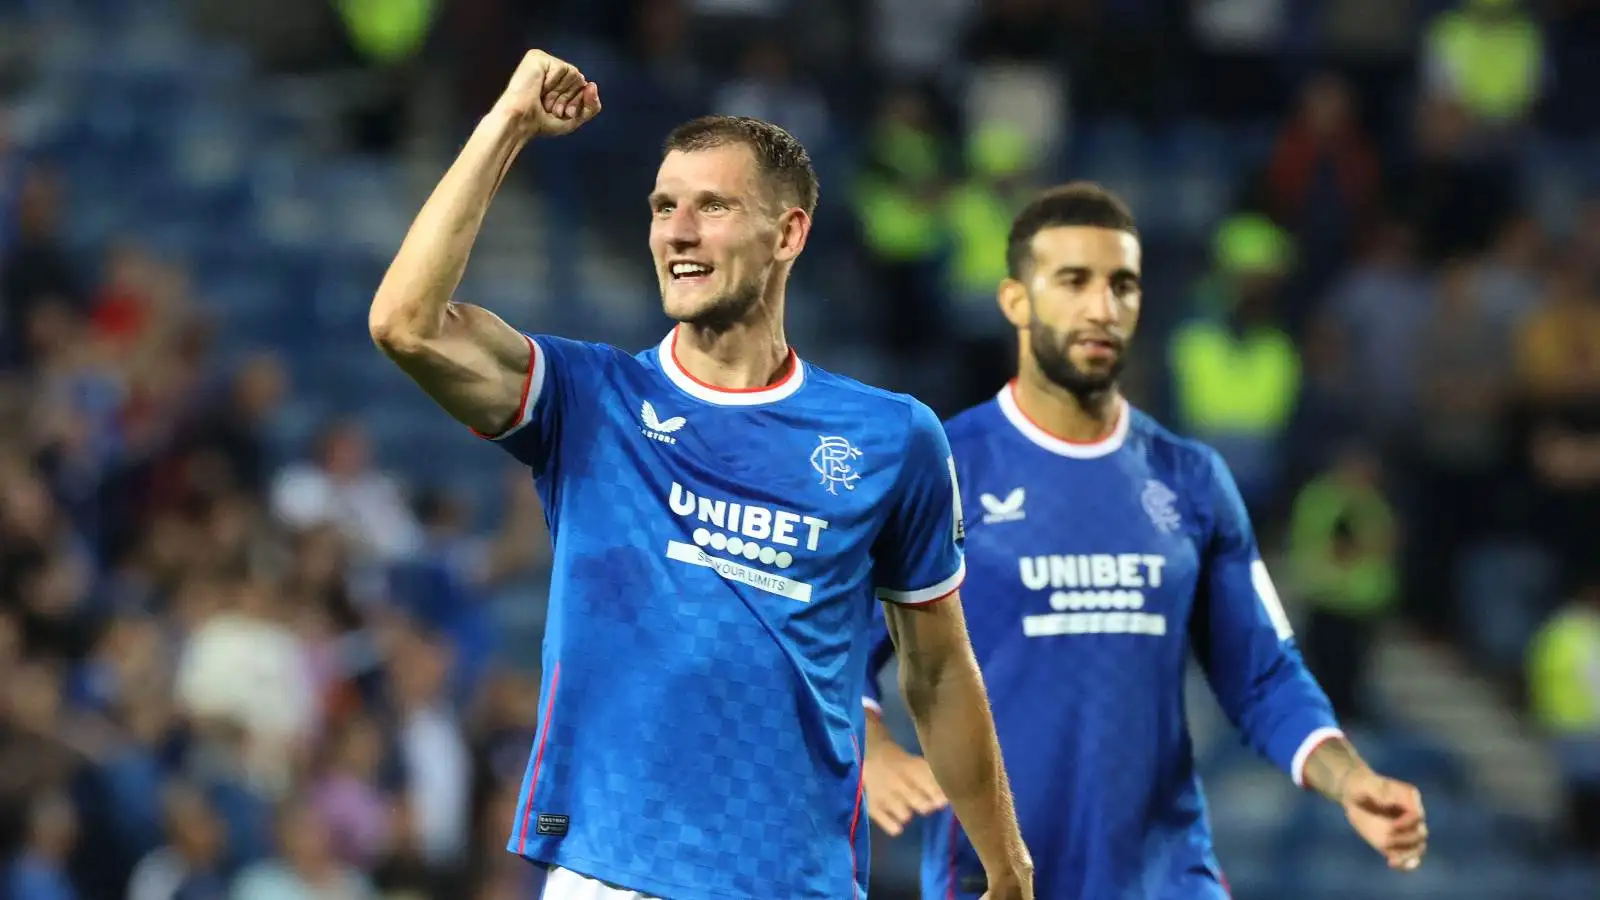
x=631 y=881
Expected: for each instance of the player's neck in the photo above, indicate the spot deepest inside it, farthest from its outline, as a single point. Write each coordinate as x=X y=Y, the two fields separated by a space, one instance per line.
x=1081 y=420
x=751 y=354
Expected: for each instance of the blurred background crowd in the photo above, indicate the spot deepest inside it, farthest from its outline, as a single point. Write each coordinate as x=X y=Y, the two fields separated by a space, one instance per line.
x=269 y=622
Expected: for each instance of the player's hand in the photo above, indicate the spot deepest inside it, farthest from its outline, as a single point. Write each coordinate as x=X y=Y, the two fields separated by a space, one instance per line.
x=548 y=96
x=1388 y=815
x=899 y=786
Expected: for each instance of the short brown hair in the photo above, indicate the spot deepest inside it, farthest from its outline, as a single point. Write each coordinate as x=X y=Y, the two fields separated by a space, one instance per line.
x=1077 y=203
x=783 y=161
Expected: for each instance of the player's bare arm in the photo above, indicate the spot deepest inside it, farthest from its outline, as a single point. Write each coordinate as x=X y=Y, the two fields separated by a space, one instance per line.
x=943 y=689
x=1386 y=813
x=465 y=357
x=900 y=785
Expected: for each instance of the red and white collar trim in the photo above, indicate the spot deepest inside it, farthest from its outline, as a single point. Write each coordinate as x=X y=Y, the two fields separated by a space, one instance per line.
x=694 y=387
x=1060 y=445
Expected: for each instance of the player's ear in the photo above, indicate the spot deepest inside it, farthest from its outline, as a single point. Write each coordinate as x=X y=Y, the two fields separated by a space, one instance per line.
x=794 y=226
x=1014 y=302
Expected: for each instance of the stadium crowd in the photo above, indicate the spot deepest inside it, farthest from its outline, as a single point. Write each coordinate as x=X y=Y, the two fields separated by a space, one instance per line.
x=217 y=671
x=234 y=669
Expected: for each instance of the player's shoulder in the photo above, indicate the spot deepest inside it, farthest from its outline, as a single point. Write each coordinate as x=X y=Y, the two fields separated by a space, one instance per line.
x=574 y=350
x=894 y=410
x=1184 y=456
x=975 y=422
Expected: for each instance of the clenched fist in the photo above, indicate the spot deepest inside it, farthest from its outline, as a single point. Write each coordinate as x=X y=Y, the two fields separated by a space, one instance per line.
x=548 y=96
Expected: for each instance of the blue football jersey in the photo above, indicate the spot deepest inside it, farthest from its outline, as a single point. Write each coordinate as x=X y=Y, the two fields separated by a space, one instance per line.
x=1093 y=571
x=718 y=558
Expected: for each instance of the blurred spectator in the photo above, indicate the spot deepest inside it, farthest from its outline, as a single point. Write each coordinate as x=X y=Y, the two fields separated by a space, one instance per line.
x=1487 y=55
x=1558 y=349
x=39 y=872
x=35 y=267
x=1456 y=195
x=1381 y=306
x=35 y=759
x=1454 y=443
x=1332 y=407
x=1323 y=179
x=340 y=488
x=445 y=585
x=898 y=195
x=358 y=812
x=508 y=722
x=387 y=37
x=1343 y=543
x=121 y=310
x=305 y=867
x=244 y=668
x=1558 y=422
x=1001 y=176
x=231 y=430
x=43 y=566
x=433 y=752
x=1237 y=374
x=188 y=867
x=1510 y=277
x=1564 y=684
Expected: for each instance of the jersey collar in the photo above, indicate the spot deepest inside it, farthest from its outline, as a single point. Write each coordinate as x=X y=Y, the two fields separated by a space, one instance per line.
x=699 y=390
x=1060 y=446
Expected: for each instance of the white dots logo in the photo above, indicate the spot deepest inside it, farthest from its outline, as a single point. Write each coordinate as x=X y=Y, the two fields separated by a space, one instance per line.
x=738 y=546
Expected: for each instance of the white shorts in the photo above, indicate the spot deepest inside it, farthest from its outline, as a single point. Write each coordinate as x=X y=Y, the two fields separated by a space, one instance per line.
x=562 y=884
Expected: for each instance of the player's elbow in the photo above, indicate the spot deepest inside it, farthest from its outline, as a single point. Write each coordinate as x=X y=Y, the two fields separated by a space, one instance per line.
x=395 y=333
x=402 y=321
x=394 y=341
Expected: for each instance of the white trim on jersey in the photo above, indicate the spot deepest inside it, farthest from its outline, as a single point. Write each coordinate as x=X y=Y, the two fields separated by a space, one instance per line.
x=928 y=594
x=699 y=390
x=1030 y=430
x=872 y=706
x=1297 y=766
x=565 y=884
x=532 y=387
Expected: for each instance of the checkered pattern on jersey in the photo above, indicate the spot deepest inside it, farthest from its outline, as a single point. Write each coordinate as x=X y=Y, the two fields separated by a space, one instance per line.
x=701 y=737
x=1090 y=711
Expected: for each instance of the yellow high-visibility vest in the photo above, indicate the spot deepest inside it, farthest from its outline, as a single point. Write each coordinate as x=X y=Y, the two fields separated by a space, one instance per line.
x=1234 y=383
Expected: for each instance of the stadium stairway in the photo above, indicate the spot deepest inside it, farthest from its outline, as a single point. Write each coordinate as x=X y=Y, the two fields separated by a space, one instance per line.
x=1431 y=690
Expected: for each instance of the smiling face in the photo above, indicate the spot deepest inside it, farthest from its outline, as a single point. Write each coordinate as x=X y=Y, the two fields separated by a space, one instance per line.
x=715 y=243
x=730 y=213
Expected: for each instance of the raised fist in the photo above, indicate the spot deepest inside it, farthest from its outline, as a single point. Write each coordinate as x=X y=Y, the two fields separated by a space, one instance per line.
x=548 y=96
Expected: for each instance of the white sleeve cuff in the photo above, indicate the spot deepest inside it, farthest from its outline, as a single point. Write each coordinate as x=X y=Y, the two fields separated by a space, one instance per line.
x=532 y=387
x=872 y=706
x=928 y=594
x=1297 y=767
